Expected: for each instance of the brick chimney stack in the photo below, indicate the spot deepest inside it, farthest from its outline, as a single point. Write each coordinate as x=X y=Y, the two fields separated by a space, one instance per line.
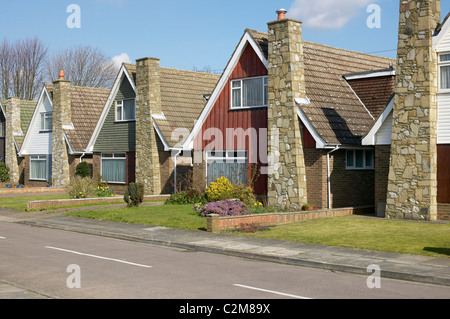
x=412 y=186
x=62 y=118
x=148 y=102
x=286 y=169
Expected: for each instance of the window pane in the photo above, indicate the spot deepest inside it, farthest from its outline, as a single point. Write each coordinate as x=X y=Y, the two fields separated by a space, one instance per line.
x=129 y=110
x=114 y=170
x=38 y=168
x=236 y=84
x=445 y=77
x=350 y=159
x=445 y=57
x=119 y=111
x=48 y=122
x=253 y=92
x=359 y=159
x=2 y=129
x=369 y=158
x=236 y=98
x=42 y=121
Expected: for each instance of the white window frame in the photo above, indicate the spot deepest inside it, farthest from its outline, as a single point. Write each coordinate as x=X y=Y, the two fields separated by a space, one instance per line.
x=352 y=152
x=443 y=64
x=44 y=117
x=39 y=158
x=228 y=156
x=120 y=104
x=114 y=156
x=2 y=129
x=265 y=83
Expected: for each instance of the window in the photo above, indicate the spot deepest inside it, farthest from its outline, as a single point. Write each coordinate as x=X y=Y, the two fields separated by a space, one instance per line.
x=2 y=129
x=114 y=168
x=38 y=167
x=46 y=121
x=230 y=164
x=360 y=159
x=250 y=92
x=126 y=110
x=444 y=71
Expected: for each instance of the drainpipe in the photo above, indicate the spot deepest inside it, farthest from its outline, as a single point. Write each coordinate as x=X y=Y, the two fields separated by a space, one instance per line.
x=175 y=171
x=329 y=175
x=81 y=157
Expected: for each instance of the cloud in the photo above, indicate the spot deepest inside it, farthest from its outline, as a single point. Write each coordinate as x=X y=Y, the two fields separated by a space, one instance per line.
x=327 y=14
x=121 y=58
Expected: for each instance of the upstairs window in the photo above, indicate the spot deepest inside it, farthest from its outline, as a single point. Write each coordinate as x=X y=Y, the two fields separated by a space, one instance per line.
x=2 y=129
x=126 y=110
x=251 y=92
x=46 y=121
x=444 y=71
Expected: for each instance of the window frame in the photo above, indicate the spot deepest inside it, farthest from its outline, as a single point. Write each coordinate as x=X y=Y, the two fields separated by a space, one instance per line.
x=122 y=112
x=442 y=64
x=113 y=156
x=265 y=85
x=45 y=158
x=44 y=117
x=2 y=129
x=364 y=159
x=228 y=156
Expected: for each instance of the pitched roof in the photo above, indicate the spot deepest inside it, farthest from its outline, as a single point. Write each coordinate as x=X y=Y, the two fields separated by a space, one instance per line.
x=26 y=113
x=334 y=111
x=86 y=107
x=182 y=98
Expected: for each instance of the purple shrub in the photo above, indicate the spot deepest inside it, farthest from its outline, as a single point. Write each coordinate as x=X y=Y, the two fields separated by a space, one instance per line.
x=226 y=207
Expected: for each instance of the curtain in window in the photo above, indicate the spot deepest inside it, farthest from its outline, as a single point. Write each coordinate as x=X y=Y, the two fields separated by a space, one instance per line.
x=129 y=110
x=114 y=170
x=445 y=77
x=253 y=92
x=236 y=94
x=235 y=172
x=38 y=168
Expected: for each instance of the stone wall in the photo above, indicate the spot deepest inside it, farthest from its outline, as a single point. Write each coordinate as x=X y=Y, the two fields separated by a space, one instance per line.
x=12 y=109
x=287 y=187
x=148 y=102
x=412 y=186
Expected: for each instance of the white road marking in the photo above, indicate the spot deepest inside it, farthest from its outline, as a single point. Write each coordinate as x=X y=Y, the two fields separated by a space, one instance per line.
x=272 y=292
x=99 y=257
x=2 y=237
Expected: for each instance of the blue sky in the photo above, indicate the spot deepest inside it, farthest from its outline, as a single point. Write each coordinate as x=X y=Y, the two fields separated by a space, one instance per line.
x=199 y=33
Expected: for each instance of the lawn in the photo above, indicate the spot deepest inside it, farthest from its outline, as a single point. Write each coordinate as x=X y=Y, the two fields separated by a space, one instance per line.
x=20 y=202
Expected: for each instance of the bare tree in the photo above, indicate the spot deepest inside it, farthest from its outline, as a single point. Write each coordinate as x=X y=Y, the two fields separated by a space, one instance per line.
x=83 y=66
x=21 y=68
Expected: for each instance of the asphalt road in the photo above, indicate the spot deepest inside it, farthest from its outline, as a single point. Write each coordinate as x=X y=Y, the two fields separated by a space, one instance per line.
x=77 y=266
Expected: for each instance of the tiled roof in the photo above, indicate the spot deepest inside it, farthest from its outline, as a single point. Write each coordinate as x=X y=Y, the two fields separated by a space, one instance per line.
x=335 y=112
x=86 y=106
x=182 y=99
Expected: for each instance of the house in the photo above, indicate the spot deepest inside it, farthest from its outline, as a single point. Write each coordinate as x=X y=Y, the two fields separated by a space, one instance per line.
x=294 y=112
x=148 y=113
x=59 y=132
x=411 y=136
x=15 y=116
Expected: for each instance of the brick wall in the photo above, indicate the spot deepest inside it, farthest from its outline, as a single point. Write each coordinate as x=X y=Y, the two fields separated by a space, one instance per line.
x=316 y=172
x=443 y=211
x=382 y=157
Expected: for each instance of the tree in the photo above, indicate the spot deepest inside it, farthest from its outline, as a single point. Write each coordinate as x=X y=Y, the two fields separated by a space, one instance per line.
x=21 y=68
x=83 y=66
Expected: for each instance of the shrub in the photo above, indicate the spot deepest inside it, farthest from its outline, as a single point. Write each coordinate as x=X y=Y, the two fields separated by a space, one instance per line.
x=4 y=173
x=226 y=207
x=186 y=197
x=219 y=190
x=81 y=187
x=245 y=195
x=83 y=169
x=134 y=195
x=103 y=190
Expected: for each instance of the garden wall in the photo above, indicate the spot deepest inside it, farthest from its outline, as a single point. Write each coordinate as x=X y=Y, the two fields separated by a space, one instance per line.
x=216 y=223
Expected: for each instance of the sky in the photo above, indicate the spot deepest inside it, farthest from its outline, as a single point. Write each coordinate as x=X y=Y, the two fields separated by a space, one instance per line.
x=197 y=33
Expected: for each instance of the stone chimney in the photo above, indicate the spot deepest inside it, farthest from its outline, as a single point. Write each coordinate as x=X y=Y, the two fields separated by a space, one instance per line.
x=412 y=187
x=62 y=119
x=148 y=102
x=12 y=109
x=286 y=169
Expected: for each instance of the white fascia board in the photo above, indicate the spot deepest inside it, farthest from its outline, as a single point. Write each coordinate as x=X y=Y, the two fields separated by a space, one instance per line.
x=246 y=39
x=369 y=139
x=44 y=93
x=166 y=146
x=121 y=75
x=369 y=75
x=2 y=109
x=320 y=143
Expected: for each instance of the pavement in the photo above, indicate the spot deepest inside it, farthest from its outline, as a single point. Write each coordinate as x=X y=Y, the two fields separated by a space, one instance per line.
x=414 y=268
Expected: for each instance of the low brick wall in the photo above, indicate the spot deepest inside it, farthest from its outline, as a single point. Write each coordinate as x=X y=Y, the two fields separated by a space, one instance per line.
x=27 y=190
x=443 y=211
x=46 y=204
x=216 y=223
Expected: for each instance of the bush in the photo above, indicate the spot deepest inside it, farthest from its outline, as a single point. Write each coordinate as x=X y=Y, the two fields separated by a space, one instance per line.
x=134 y=195
x=245 y=195
x=226 y=207
x=83 y=169
x=4 y=173
x=103 y=190
x=186 y=197
x=219 y=190
x=81 y=187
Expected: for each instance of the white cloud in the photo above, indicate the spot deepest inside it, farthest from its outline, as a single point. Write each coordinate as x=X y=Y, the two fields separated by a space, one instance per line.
x=121 y=58
x=327 y=14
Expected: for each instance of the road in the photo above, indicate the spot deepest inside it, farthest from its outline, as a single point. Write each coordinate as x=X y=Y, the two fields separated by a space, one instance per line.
x=78 y=266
